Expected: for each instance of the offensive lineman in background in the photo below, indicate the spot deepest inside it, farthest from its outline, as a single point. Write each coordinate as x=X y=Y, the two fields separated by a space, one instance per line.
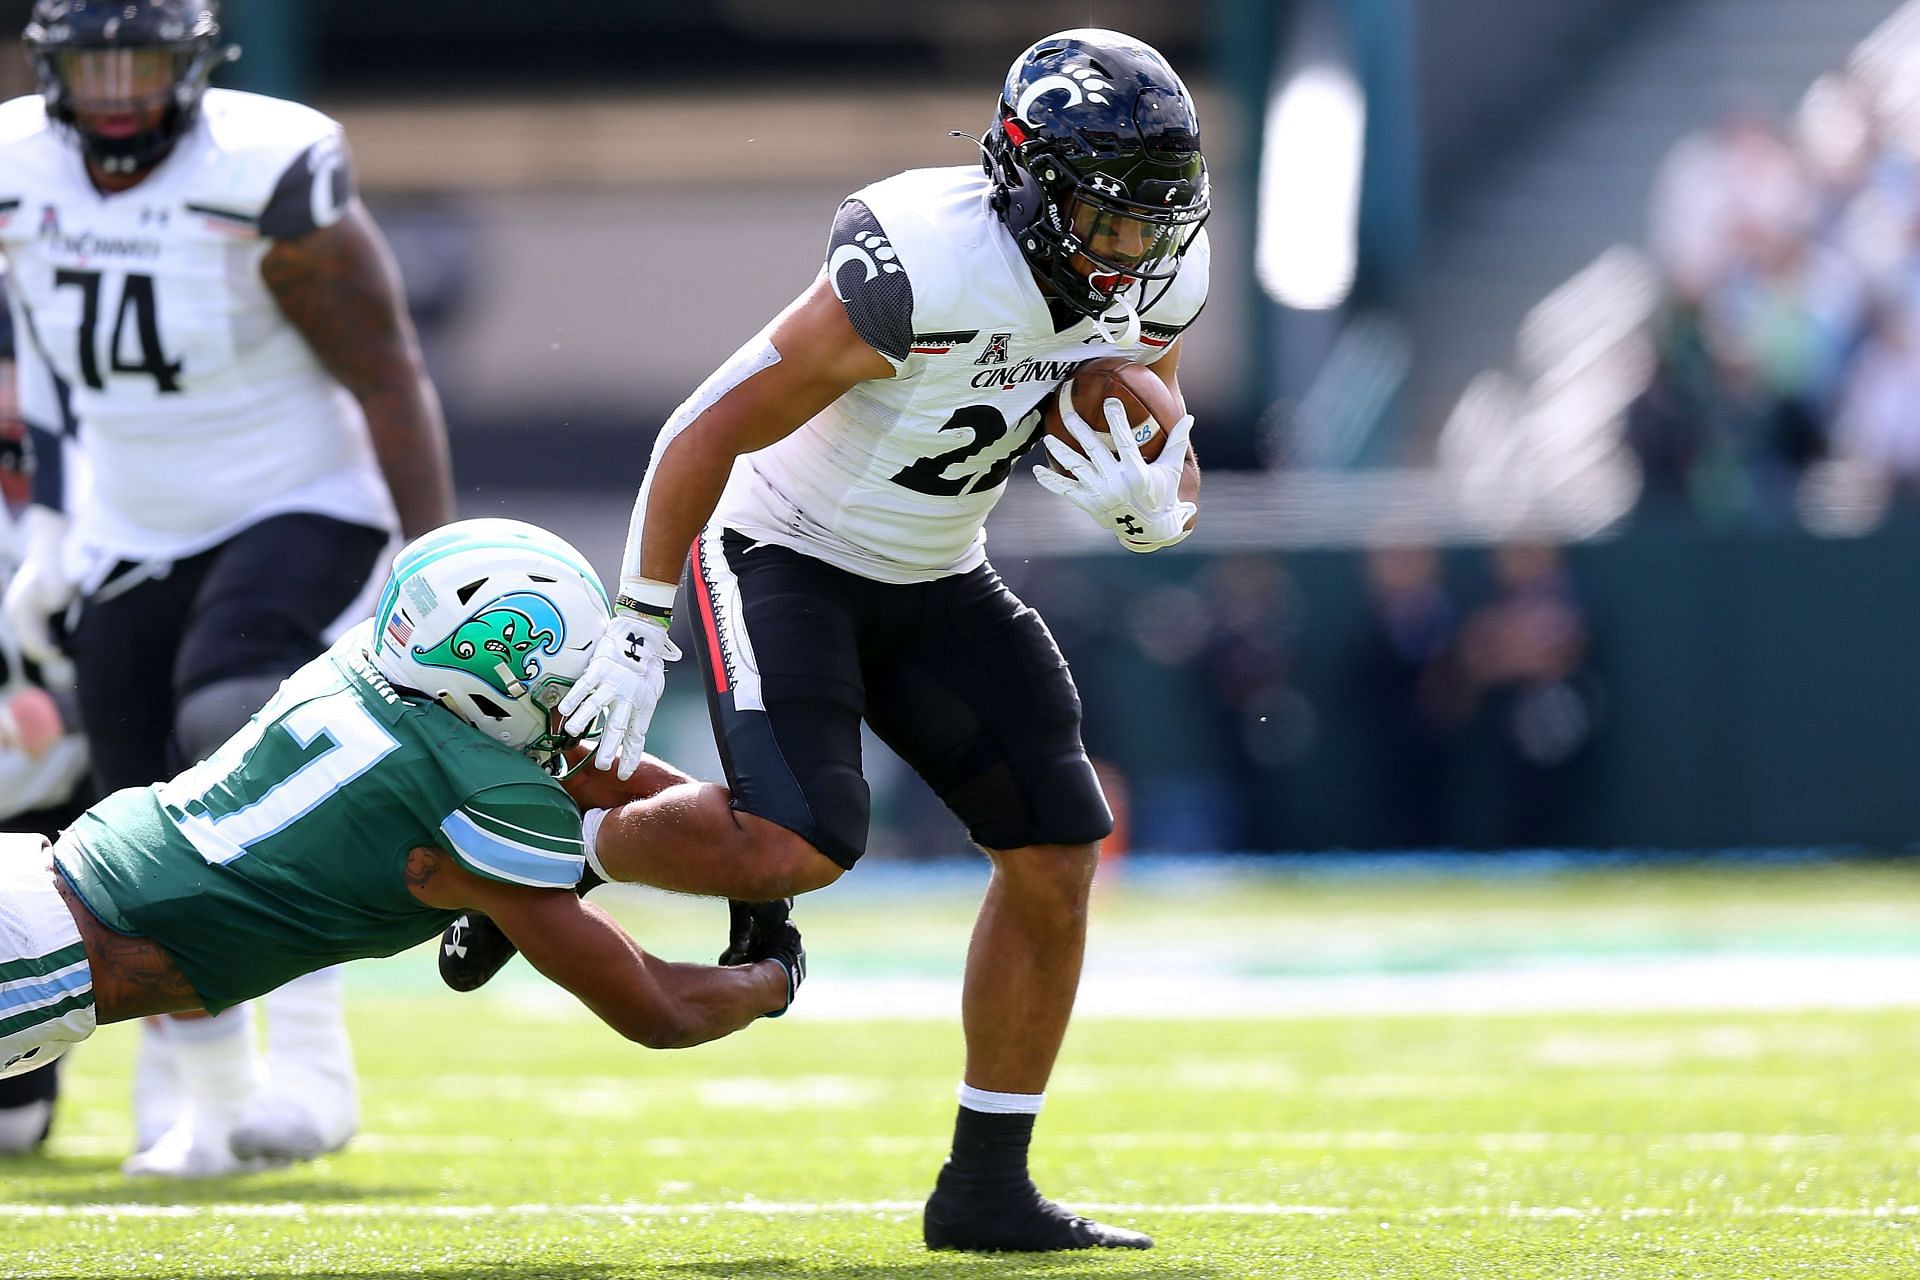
x=861 y=440
x=194 y=268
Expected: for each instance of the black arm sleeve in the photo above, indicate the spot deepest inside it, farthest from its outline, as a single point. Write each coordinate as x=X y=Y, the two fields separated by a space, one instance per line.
x=870 y=281
x=311 y=194
x=47 y=467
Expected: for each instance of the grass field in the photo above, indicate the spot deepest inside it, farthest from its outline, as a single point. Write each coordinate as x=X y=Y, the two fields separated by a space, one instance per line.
x=506 y=1135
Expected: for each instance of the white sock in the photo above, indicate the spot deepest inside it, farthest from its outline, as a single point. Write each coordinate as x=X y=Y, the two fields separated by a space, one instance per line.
x=157 y=1101
x=307 y=1029
x=1005 y=1104
x=217 y=1063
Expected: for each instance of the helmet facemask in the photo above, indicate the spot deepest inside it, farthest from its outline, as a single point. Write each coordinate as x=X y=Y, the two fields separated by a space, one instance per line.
x=125 y=81
x=1108 y=245
x=550 y=749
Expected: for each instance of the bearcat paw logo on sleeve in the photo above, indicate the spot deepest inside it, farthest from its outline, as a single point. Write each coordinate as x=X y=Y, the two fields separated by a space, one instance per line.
x=871 y=250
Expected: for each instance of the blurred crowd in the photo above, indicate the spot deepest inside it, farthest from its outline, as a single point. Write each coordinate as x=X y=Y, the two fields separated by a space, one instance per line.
x=1499 y=680
x=1233 y=702
x=1790 y=254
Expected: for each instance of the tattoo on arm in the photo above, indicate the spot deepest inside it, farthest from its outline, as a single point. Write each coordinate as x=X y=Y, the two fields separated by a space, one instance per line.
x=146 y=975
x=133 y=976
x=423 y=864
x=340 y=288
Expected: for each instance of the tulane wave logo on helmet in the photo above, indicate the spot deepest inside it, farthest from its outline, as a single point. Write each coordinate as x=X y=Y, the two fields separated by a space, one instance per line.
x=502 y=642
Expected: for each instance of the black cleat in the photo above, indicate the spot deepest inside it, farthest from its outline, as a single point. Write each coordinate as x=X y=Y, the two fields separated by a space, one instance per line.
x=751 y=926
x=472 y=950
x=1015 y=1220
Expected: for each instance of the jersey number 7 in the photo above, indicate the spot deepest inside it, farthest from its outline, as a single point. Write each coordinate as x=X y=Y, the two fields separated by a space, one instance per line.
x=284 y=769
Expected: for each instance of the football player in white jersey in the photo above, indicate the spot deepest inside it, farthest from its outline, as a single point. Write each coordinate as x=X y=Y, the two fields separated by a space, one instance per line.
x=211 y=320
x=43 y=758
x=832 y=480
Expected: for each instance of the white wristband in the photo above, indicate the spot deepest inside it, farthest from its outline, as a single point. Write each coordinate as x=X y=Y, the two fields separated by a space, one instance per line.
x=650 y=592
x=589 y=835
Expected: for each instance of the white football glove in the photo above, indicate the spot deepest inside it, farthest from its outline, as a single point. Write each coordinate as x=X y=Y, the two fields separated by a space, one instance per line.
x=1139 y=500
x=39 y=588
x=624 y=677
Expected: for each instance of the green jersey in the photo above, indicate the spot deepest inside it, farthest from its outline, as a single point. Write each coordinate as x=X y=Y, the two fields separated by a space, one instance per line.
x=285 y=851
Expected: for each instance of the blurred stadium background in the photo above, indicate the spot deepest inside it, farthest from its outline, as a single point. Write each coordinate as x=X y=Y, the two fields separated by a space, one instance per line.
x=1559 y=391
x=1560 y=399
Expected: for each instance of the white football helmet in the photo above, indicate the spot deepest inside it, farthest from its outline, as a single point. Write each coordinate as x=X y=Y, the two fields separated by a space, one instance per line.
x=495 y=619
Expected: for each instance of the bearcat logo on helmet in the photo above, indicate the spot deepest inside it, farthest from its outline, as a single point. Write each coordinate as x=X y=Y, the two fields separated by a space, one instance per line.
x=502 y=643
x=1082 y=84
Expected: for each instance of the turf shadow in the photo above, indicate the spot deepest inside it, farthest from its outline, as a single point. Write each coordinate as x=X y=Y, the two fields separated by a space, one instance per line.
x=479 y=1271
x=1088 y=1265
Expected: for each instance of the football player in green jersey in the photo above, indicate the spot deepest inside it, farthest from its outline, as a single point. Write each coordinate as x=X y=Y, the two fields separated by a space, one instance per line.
x=399 y=780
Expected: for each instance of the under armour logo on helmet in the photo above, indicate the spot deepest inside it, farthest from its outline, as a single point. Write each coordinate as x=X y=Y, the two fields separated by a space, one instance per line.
x=1105 y=185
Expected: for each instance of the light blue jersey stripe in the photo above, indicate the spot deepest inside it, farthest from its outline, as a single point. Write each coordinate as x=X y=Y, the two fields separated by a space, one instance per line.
x=504 y=859
x=26 y=994
x=507 y=830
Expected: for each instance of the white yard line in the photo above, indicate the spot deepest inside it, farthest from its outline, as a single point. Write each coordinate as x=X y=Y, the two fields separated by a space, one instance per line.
x=1734 y=981
x=105 y=1144
x=777 y=1208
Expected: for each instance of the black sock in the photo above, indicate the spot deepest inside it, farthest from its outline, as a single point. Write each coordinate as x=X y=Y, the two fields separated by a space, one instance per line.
x=989 y=1149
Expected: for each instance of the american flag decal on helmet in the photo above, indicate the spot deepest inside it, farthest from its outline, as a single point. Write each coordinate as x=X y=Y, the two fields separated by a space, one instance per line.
x=400 y=628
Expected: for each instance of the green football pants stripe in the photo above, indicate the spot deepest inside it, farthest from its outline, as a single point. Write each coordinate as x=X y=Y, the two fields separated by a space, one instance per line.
x=34 y=966
x=46 y=1013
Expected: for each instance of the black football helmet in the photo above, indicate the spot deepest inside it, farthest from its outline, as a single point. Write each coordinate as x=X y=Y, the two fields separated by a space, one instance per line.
x=1095 y=156
x=108 y=56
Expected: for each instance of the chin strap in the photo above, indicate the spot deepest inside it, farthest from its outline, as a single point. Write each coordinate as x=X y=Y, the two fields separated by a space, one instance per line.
x=1129 y=321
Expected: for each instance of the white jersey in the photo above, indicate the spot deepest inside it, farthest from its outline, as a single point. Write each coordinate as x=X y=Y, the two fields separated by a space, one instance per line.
x=199 y=408
x=894 y=480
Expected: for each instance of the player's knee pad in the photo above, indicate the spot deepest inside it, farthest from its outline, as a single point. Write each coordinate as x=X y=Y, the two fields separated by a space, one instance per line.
x=215 y=712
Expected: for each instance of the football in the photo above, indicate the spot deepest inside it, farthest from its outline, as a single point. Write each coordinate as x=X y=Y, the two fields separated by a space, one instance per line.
x=1151 y=408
